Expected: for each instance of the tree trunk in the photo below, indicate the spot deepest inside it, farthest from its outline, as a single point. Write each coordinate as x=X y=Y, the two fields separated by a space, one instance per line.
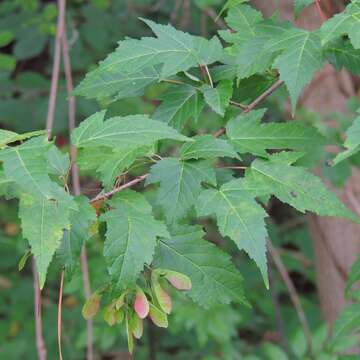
x=336 y=241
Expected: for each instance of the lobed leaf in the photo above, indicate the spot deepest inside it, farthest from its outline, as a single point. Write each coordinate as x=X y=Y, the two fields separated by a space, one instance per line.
x=180 y=184
x=130 y=237
x=213 y=276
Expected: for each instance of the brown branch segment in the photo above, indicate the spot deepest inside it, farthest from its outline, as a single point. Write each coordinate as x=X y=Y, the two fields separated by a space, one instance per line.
x=76 y=186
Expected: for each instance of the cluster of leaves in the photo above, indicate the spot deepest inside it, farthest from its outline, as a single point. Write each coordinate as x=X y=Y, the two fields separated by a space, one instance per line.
x=156 y=228
x=133 y=304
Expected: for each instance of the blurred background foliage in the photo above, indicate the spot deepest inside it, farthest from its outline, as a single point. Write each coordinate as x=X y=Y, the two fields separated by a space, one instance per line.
x=268 y=330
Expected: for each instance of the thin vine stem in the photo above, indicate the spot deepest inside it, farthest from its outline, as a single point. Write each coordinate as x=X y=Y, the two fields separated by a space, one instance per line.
x=77 y=187
x=40 y=344
x=104 y=196
x=59 y=316
x=295 y=299
x=56 y=67
x=256 y=102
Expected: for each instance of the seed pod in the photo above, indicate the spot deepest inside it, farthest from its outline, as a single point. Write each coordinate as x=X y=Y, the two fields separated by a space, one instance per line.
x=178 y=280
x=141 y=304
x=110 y=314
x=137 y=326
x=162 y=297
x=120 y=300
x=92 y=305
x=119 y=316
x=158 y=317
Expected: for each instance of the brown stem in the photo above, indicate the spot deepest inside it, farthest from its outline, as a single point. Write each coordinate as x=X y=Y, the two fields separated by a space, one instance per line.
x=177 y=82
x=107 y=195
x=40 y=344
x=241 y=106
x=76 y=185
x=59 y=317
x=210 y=12
x=56 y=68
x=292 y=292
x=278 y=316
x=256 y=102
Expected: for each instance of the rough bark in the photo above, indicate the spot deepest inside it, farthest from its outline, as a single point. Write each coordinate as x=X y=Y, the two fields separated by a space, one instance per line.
x=336 y=241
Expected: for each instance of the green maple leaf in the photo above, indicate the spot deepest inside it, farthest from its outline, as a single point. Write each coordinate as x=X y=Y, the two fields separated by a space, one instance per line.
x=179 y=104
x=248 y=135
x=341 y=54
x=133 y=65
x=180 y=184
x=296 y=187
x=345 y=23
x=214 y=277
x=207 y=146
x=26 y=166
x=5 y=184
x=301 y=57
x=100 y=84
x=8 y=137
x=132 y=130
x=352 y=142
x=255 y=55
x=130 y=237
x=43 y=221
x=74 y=238
x=58 y=162
x=242 y=19
x=347 y=322
x=218 y=98
x=92 y=157
x=240 y=217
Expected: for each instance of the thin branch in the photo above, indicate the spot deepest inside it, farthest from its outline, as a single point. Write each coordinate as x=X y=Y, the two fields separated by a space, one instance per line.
x=278 y=316
x=76 y=187
x=256 y=102
x=104 y=196
x=210 y=12
x=264 y=95
x=232 y=167
x=87 y=291
x=292 y=292
x=177 y=82
x=59 y=316
x=40 y=344
x=241 y=106
x=56 y=68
